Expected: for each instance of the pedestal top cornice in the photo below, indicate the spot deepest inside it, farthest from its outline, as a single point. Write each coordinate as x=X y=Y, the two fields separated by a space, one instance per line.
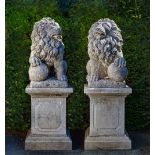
x=48 y=91
x=107 y=91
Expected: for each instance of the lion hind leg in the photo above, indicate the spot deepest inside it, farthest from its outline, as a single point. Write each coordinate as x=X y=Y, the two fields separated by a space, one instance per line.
x=61 y=69
x=92 y=70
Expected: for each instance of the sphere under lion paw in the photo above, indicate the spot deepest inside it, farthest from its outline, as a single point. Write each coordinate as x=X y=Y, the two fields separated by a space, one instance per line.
x=38 y=73
x=118 y=74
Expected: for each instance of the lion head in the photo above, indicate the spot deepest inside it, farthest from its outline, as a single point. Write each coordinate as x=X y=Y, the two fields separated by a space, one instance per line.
x=47 y=40
x=105 y=41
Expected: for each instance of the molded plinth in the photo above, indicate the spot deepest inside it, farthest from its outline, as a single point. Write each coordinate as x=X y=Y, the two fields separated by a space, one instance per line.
x=47 y=142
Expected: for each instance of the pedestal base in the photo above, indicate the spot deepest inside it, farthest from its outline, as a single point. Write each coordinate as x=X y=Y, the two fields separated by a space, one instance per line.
x=106 y=142
x=43 y=142
x=107 y=119
x=48 y=119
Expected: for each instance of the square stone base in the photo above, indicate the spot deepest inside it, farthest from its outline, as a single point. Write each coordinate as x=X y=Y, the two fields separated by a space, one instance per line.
x=47 y=142
x=106 y=142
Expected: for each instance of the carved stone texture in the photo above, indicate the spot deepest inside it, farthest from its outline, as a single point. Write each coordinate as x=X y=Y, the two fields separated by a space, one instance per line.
x=49 y=83
x=47 y=50
x=107 y=83
x=48 y=119
x=105 y=53
x=107 y=111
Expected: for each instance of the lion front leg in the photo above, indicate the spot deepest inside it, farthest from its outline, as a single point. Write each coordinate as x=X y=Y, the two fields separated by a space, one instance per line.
x=92 y=70
x=34 y=61
x=60 y=69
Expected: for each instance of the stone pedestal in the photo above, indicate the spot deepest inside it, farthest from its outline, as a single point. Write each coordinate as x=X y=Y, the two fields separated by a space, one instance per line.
x=48 y=119
x=107 y=118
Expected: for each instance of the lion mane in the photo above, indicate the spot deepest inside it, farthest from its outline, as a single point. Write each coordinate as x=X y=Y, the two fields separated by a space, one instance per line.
x=47 y=50
x=105 y=41
x=105 y=48
x=44 y=44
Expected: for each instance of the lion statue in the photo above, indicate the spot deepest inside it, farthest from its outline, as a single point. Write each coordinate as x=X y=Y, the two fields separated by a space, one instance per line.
x=47 y=51
x=105 y=52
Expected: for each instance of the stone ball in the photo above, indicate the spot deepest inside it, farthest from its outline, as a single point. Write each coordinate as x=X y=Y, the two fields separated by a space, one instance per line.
x=38 y=73
x=116 y=73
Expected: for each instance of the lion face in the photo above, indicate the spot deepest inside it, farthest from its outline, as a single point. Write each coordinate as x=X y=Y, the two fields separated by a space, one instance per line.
x=99 y=33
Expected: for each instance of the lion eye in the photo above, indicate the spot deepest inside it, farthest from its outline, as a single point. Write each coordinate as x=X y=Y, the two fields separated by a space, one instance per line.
x=97 y=32
x=103 y=35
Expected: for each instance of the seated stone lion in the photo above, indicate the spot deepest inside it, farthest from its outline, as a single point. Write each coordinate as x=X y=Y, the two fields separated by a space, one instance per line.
x=105 y=52
x=47 y=51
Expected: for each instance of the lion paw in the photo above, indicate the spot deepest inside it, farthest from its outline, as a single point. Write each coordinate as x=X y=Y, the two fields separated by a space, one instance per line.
x=34 y=61
x=120 y=62
x=94 y=77
x=62 y=78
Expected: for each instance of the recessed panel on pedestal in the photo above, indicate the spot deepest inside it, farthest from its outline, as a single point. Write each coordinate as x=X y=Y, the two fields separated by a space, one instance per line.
x=48 y=115
x=106 y=116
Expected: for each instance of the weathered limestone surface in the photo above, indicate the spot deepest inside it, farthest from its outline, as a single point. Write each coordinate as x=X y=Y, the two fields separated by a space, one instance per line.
x=106 y=56
x=48 y=142
x=106 y=83
x=48 y=89
x=48 y=119
x=49 y=83
x=47 y=51
x=106 y=142
x=107 y=112
x=106 y=74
